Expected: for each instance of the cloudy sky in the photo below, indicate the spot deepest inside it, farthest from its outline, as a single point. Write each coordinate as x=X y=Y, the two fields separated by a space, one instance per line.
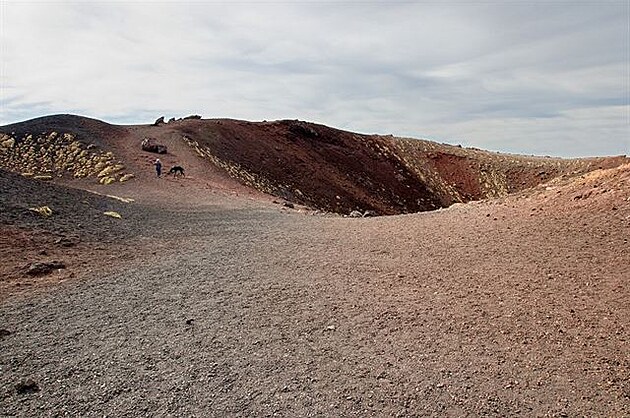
x=532 y=77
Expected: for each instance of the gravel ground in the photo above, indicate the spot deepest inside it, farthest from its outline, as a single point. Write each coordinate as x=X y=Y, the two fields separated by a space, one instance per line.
x=493 y=309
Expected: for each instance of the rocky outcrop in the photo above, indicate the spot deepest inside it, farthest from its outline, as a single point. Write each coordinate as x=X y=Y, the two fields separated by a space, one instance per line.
x=42 y=268
x=151 y=145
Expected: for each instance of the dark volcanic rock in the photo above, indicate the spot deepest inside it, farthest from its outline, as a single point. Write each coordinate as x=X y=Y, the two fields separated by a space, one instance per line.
x=41 y=268
x=26 y=387
x=150 y=145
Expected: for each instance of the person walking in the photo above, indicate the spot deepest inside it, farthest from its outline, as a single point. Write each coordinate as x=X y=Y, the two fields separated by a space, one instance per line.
x=158 y=167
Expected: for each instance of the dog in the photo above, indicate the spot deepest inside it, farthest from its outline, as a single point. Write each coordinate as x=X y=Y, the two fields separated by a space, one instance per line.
x=176 y=169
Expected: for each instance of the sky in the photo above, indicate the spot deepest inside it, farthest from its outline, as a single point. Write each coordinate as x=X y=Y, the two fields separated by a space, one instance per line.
x=528 y=77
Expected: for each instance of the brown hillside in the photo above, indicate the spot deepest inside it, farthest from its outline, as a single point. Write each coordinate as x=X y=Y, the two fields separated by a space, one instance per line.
x=313 y=165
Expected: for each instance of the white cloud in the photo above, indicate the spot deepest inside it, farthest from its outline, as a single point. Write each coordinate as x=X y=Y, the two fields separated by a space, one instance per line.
x=533 y=78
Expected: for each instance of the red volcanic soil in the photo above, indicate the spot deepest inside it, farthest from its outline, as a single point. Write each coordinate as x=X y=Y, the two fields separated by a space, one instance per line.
x=205 y=298
x=339 y=171
x=316 y=166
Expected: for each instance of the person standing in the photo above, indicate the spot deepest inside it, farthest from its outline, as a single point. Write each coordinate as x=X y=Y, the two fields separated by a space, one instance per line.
x=158 y=167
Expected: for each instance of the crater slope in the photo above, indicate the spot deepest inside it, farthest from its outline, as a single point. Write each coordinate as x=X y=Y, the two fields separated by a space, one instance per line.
x=204 y=298
x=304 y=163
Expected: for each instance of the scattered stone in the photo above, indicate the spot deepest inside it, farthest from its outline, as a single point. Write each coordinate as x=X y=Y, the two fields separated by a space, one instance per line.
x=41 y=268
x=369 y=214
x=288 y=205
x=122 y=199
x=8 y=143
x=189 y=321
x=4 y=333
x=42 y=210
x=330 y=328
x=110 y=170
x=126 y=177
x=355 y=214
x=27 y=387
x=112 y=214
x=65 y=242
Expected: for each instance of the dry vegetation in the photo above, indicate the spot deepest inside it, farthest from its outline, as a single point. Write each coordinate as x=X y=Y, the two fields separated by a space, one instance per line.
x=52 y=155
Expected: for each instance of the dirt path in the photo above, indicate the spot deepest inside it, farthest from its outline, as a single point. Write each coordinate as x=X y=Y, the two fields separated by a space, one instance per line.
x=482 y=309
